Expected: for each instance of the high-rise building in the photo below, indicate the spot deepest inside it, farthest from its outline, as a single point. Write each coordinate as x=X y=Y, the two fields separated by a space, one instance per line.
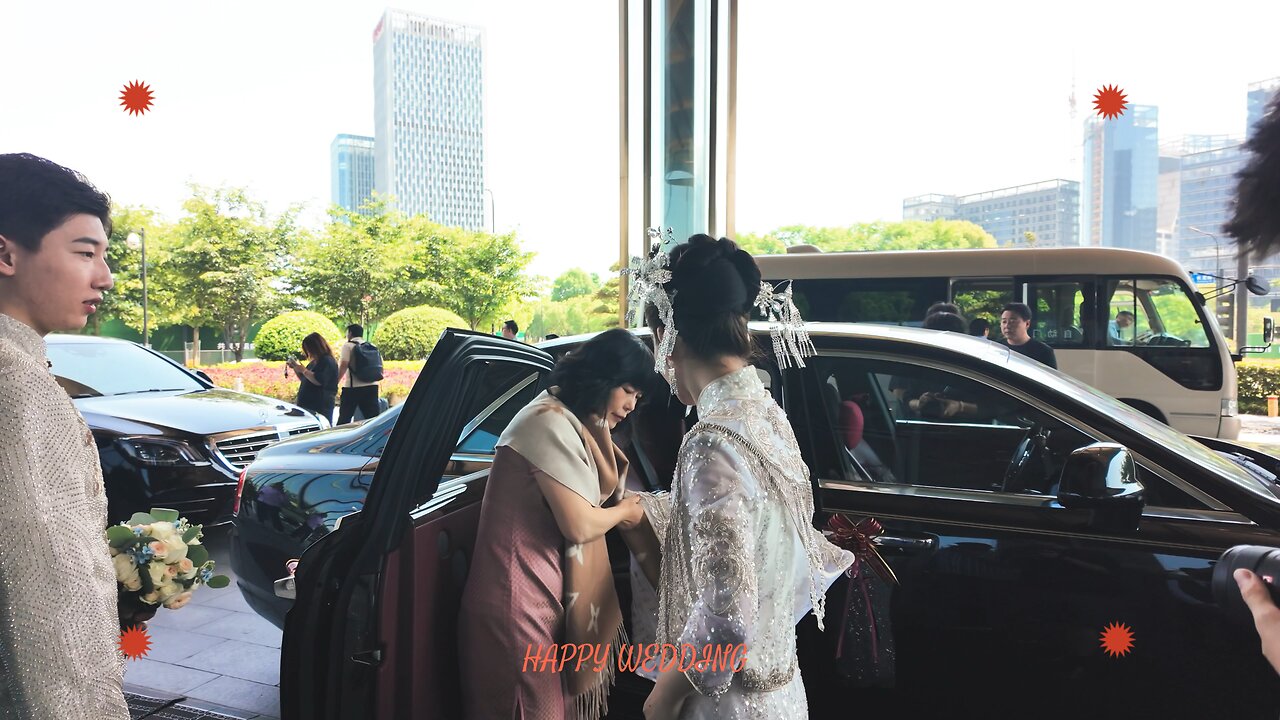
x=1050 y=210
x=1260 y=93
x=1121 y=171
x=1207 y=184
x=930 y=207
x=429 y=117
x=351 y=170
x=1168 y=189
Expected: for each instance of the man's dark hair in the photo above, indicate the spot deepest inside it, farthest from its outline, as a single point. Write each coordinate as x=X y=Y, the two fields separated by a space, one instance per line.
x=1255 y=219
x=354 y=330
x=613 y=358
x=1124 y=312
x=38 y=195
x=943 y=306
x=978 y=326
x=945 y=321
x=1019 y=309
x=512 y=326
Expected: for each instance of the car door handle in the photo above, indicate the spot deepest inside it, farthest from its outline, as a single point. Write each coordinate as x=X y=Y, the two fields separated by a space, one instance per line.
x=368 y=657
x=892 y=542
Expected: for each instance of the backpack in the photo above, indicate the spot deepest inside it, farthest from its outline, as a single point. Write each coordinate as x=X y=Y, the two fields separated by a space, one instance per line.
x=366 y=362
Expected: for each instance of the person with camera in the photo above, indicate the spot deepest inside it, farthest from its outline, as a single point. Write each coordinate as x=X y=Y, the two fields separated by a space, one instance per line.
x=318 y=380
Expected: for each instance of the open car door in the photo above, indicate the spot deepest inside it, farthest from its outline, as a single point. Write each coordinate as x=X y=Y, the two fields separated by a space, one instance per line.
x=372 y=632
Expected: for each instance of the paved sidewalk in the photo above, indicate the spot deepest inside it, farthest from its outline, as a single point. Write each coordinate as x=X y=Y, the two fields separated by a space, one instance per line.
x=216 y=651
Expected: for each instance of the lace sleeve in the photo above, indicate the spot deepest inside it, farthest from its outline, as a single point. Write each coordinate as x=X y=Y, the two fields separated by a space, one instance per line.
x=720 y=526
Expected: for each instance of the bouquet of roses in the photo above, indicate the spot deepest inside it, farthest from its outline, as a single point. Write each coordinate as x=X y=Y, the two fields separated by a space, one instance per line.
x=159 y=560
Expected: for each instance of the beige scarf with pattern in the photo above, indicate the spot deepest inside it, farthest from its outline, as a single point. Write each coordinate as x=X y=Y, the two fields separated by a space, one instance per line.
x=584 y=459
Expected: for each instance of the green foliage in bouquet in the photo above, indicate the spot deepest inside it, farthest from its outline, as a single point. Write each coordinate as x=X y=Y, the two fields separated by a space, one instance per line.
x=159 y=560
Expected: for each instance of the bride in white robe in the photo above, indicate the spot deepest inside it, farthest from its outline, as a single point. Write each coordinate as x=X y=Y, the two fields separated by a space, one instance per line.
x=741 y=562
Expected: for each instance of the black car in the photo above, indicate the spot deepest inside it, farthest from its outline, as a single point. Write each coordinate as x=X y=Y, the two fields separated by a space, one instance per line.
x=1053 y=546
x=166 y=436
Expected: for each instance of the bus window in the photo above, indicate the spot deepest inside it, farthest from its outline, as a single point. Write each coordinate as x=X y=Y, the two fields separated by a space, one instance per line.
x=983 y=298
x=1153 y=312
x=1177 y=315
x=895 y=301
x=1057 y=308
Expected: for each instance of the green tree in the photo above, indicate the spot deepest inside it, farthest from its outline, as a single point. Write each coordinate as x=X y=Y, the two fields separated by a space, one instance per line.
x=761 y=244
x=483 y=273
x=905 y=235
x=573 y=283
x=124 y=301
x=223 y=267
x=369 y=264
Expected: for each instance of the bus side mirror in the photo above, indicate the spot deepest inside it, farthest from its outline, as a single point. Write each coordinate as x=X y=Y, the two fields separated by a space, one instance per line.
x=1268 y=330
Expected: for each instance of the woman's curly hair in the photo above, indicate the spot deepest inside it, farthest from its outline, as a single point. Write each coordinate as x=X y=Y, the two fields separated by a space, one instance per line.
x=1255 y=220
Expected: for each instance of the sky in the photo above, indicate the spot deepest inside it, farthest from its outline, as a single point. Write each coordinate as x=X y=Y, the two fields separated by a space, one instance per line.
x=845 y=109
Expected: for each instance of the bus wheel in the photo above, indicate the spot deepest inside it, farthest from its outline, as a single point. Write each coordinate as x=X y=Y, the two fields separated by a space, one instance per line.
x=1145 y=408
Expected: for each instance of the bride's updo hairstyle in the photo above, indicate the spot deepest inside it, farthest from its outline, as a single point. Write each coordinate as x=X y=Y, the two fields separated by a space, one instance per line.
x=715 y=284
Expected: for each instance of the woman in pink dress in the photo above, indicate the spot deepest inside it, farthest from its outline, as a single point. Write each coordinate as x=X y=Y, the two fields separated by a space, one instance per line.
x=541 y=576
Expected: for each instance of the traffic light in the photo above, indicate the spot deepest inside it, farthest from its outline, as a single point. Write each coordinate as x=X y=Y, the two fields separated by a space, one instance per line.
x=1224 y=307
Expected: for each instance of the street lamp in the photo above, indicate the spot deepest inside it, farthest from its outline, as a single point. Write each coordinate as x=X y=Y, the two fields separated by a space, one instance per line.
x=1217 y=248
x=139 y=240
x=493 y=220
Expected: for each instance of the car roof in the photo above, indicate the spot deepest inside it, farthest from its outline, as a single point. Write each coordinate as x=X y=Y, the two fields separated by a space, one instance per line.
x=65 y=339
x=975 y=347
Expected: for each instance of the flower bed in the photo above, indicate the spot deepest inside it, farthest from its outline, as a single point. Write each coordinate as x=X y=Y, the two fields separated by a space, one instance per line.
x=268 y=378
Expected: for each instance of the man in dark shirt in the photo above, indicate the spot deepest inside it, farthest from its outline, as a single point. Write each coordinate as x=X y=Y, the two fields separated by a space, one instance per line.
x=1015 y=323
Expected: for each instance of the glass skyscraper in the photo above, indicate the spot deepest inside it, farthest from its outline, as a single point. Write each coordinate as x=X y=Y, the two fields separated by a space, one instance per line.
x=351 y=170
x=429 y=117
x=1121 y=171
x=1207 y=186
x=1260 y=93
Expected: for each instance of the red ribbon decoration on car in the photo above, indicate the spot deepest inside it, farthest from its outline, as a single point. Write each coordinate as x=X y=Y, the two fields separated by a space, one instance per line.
x=859 y=538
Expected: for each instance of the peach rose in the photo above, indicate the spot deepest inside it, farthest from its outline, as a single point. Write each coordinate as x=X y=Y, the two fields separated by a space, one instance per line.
x=178 y=601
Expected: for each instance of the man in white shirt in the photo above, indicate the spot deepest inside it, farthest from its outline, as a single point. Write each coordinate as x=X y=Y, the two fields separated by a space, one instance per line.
x=355 y=392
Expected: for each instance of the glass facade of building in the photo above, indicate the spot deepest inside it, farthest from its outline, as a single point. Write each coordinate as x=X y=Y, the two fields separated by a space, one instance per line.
x=1206 y=188
x=1121 y=170
x=1260 y=93
x=429 y=117
x=1049 y=210
x=351 y=159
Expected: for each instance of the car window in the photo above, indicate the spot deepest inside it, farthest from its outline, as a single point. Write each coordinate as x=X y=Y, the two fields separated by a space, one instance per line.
x=505 y=389
x=906 y=424
x=108 y=368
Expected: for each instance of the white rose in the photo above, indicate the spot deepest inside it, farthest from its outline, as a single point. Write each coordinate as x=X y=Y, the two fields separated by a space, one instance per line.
x=177 y=550
x=170 y=590
x=151 y=598
x=159 y=575
x=127 y=572
x=162 y=530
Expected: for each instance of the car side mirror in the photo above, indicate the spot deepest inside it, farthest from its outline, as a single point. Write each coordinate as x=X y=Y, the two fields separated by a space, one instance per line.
x=1103 y=478
x=204 y=376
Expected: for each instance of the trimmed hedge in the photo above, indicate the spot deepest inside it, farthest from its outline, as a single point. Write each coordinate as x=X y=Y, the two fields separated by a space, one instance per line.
x=281 y=336
x=410 y=334
x=1255 y=381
